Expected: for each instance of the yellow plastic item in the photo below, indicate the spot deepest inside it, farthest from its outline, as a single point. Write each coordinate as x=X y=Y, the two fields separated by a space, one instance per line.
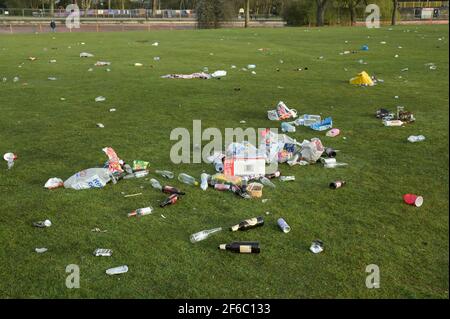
x=362 y=79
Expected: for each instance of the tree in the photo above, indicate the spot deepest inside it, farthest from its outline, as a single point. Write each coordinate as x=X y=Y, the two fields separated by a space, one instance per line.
x=247 y=13
x=154 y=7
x=351 y=5
x=394 y=13
x=321 y=6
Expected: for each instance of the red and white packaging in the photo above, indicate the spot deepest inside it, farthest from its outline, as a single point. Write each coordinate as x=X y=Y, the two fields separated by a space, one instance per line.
x=240 y=166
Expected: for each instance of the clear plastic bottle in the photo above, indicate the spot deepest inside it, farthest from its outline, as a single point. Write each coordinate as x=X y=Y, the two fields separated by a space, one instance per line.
x=414 y=139
x=218 y=165
x=334 y=165
x=204 y=234
x=166 y=174
x=204 y=181
x=139 y=174
x=156 y=184
x=266 y=182
x=187 y=179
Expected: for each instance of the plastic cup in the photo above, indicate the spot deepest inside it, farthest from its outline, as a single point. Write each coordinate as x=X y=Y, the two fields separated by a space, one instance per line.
x=413 y=200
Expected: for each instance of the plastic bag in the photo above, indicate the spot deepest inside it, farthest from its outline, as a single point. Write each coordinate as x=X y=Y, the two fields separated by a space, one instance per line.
x=89 y=178
x=53 y=183
x=114 y=160
x=312 y=151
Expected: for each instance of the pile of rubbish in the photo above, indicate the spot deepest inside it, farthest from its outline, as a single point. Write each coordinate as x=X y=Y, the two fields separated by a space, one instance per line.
x=283 y=112
x=199 y=75
x=399 y=118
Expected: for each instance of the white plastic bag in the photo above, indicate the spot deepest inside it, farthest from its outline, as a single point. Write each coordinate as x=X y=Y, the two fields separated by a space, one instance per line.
x=89 y=178
x=54 y=182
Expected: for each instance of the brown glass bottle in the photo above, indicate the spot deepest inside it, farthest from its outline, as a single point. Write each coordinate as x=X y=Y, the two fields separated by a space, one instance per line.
x=248 y=224
x=170 y=200
x=337 y=184
x=242 y=247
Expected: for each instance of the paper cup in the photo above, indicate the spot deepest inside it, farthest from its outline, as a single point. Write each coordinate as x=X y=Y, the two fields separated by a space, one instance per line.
x=413 y=200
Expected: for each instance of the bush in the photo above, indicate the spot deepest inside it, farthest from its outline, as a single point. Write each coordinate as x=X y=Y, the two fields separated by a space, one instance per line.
x=211 y=13
x=298 y=12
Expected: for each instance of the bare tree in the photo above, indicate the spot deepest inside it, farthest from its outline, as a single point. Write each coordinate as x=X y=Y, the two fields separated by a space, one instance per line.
x=394 y=13
x=247 y=13
x=321 y=6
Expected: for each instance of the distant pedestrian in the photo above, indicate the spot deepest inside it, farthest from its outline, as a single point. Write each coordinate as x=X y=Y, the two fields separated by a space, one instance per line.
x=53 y=26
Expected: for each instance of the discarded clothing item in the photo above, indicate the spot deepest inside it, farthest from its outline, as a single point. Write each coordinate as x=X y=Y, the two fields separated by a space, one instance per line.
x=326 y=124
x=198 y=75
x=362 y=79
x=53 y=183
x=89 y=178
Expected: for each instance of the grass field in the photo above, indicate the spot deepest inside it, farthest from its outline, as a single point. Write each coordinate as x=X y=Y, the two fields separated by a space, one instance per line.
x=364 y=223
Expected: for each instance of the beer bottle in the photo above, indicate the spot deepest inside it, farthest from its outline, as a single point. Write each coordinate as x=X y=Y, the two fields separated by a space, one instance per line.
x=273 y=175
x=337 y=184
x=141 y=212
x=170 y=200
x=172 y=190
x=248 y=224
x=242 y=247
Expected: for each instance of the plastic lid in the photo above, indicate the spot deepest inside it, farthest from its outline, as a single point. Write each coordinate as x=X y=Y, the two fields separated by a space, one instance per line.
x=419 y=201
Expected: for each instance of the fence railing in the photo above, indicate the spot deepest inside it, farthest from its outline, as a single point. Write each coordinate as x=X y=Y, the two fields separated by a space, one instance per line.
x=116 y=13
x=99 y=13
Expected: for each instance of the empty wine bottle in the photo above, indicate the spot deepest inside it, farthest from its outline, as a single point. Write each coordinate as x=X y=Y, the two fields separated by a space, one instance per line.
x=337 y=184
x=172 y=190
x=204 y=234
x=185 y=178
x=242 y=247
x=172 y=199
x=239 y=192
x=156 y=184
x=248 y=224
x=165 y=174
x=141 y=212
x=331 y=153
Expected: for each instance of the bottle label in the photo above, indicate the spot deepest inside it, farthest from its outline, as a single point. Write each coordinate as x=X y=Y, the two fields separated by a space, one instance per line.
x=251 y=222
x=245 y=249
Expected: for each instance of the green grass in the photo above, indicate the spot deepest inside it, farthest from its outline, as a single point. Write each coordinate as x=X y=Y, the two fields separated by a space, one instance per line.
x=364 y=223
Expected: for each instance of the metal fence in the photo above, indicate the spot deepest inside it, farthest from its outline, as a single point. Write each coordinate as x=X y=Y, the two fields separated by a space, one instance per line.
x=99 y=13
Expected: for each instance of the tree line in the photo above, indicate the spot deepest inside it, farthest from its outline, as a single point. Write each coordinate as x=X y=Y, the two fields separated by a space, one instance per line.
x=212 y=12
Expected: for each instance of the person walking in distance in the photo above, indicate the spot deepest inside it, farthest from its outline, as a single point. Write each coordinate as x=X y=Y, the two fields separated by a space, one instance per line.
x=53 y=26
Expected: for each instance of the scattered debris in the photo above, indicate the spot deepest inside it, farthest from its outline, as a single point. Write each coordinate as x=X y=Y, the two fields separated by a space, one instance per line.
x=117 y=270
